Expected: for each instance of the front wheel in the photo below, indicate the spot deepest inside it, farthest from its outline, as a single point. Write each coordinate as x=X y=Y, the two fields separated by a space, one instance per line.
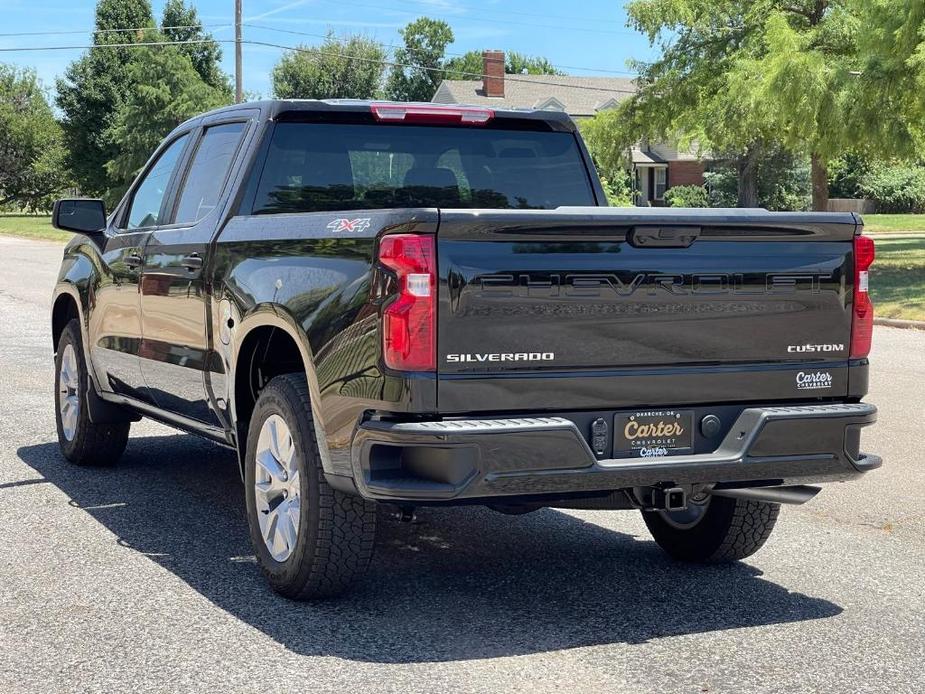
x=311 y=540
x=719 y=530
x=82 y=442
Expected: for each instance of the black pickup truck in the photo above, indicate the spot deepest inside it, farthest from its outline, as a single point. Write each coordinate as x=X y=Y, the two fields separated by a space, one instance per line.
x=424 y=305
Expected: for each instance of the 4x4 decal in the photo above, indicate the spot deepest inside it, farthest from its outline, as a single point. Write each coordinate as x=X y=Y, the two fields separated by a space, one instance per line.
x=355 y=225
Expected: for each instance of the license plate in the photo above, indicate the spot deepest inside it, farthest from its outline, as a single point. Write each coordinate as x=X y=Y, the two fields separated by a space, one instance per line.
x=653 y=433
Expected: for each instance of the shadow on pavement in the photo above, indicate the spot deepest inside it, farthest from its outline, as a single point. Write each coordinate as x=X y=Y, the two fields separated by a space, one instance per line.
x=461 y=583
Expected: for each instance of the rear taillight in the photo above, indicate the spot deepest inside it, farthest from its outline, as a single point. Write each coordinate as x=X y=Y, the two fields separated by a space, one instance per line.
x=431 y=114
x=862 y=322
x=409 y=339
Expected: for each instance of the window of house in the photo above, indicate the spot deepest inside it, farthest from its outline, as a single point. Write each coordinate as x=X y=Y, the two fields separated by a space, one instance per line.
x=661 y=181
x=208 y=171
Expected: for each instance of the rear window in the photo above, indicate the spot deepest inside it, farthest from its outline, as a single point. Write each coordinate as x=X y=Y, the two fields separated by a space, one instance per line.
x=314 y=167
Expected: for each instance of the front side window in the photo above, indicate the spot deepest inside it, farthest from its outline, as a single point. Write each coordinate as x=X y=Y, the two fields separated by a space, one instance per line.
x=149 y=195
x=313 y=167
x=207 y=172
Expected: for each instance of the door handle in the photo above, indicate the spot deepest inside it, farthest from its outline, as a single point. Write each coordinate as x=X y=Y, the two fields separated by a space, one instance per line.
x=133 y=260
x=192 y=262
x=663 y=237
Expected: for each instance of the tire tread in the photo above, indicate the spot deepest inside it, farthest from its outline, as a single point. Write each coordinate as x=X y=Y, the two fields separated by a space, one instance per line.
x=346 y=528
x=94 y=444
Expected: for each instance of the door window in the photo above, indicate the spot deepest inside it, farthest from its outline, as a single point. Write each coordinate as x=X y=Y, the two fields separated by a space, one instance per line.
x=149 y=195
x=208 y=172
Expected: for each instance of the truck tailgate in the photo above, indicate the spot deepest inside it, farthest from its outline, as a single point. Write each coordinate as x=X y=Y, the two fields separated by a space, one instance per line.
x=602 y=307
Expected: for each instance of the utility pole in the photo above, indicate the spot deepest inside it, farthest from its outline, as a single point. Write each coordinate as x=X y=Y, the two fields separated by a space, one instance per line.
x=238 y=72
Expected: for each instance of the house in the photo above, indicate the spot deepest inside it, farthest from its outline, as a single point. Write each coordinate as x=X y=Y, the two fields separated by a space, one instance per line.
x=655 y=166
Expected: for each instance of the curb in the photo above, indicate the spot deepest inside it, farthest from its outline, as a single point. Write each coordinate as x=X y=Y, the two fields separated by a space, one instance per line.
x=897 y=323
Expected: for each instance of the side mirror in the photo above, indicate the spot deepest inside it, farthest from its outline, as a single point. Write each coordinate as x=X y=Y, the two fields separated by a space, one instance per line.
x=80 y=215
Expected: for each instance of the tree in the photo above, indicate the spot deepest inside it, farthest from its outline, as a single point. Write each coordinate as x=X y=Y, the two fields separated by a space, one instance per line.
x=469 y=65
x=93 y=89
x=741 y=78
x=349 y=68
x=520 y=64
x=32 y=166
x=887 y=103
x=419 y=67
x=166 y=90
x=181 y=23
x=803 y=79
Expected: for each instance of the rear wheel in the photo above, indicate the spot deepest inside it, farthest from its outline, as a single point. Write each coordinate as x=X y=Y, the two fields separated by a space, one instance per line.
x=82 y=442
x=718 y=530
x=311 y=541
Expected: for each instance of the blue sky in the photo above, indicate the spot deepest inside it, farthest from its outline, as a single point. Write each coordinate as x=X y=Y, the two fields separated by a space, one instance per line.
x=596 y=38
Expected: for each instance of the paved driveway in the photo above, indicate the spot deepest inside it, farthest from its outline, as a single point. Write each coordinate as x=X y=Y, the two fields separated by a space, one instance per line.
x=140 y=578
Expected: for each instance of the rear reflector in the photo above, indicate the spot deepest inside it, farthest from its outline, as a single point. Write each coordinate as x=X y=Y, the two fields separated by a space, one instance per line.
x=862 y=321
x=443 y=115
x=409 y=340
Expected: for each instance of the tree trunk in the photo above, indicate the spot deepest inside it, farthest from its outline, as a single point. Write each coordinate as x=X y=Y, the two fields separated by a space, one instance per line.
x=747 y=180
x=820 y=177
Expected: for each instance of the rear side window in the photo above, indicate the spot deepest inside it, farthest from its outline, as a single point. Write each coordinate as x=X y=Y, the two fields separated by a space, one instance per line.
x=313 y=167
x=207 y=172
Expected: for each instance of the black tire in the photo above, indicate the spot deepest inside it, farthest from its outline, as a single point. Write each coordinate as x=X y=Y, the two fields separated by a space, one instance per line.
x=336 y=531
x=90 y=444
x=728 y=530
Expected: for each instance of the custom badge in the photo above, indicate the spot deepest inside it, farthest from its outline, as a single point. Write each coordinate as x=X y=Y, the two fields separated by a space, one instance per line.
x=354 y=225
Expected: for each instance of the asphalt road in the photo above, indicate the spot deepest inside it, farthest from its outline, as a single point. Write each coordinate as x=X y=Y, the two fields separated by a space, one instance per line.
x=140 y=578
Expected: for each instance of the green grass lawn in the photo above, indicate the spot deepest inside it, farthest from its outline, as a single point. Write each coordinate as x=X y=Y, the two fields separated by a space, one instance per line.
x=897 y=279
x=30 y=227
x=885 y=223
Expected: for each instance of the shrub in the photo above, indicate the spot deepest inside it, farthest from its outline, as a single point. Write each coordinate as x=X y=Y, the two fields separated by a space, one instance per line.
x=687 y=196
x=896 y=187
x=618 y=191
x=782 y=182
x=846 y=173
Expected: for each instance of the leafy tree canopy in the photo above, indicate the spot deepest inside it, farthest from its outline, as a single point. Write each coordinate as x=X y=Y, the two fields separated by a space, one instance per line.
x=166 y=90
x=181 y=23
x=94 y=88
x=348 y=68
x=742 y=78
x=31 y=143
x=469 y=65
x=425 y=40
x=888 y=101
x=107 y=91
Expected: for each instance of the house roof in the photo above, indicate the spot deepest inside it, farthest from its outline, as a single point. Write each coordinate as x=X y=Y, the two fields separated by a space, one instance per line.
x=577 y=96
x=640 y=156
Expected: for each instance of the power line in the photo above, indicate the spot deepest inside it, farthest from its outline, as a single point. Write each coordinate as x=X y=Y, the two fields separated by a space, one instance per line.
x=391 y=47
x=112 y=31
x=298 y=49
x=139 y=44
x=479 y=75
x=480 y=10
x=460 y=55
x=494 y=20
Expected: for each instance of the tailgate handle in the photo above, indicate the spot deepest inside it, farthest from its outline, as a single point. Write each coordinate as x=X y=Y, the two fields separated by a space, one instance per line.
x=663 y=237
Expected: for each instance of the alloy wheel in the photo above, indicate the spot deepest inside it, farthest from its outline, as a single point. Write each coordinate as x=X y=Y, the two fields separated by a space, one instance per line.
x=277 y=488
x=69 y=393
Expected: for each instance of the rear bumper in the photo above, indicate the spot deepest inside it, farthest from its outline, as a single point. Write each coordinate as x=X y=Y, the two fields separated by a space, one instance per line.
x=485 y=458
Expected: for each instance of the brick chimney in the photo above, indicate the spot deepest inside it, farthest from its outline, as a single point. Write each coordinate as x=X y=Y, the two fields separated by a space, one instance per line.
x=493 y=73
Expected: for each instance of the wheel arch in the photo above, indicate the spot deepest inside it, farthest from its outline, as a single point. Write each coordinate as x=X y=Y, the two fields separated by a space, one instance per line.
x=268 y=343
x=65 y=308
